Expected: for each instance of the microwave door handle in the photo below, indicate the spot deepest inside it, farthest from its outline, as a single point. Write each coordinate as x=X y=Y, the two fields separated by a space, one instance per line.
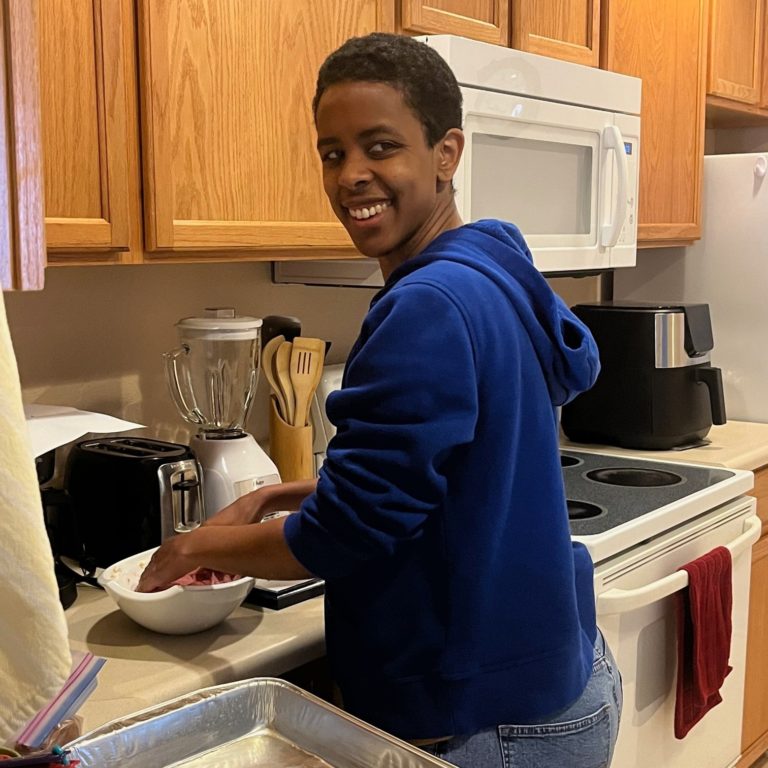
x=613 y=140
x=616 y=601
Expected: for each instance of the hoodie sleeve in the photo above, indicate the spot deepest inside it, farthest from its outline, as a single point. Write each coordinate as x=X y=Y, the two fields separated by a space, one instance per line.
x=409 y=399
x=576 y=363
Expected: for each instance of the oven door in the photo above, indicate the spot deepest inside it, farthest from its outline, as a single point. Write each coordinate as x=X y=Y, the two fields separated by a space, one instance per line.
x=565 y=175
x=636 y=614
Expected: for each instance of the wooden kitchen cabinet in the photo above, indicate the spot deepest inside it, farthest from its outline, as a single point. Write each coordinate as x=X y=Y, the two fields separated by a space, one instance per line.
x=764 y=89
x=736 y=34
x=87 y=68
x=737 y=84
x=228 y=138
x=485 y=20
x=566 y=29
x=665 y=45
x=22 y=233
x=754 y=739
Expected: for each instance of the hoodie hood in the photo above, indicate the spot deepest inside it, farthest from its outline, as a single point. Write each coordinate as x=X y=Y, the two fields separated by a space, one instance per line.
x=564 y=346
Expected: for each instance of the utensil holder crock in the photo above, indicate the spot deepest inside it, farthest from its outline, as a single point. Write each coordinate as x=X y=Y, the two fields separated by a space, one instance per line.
x=290 y=447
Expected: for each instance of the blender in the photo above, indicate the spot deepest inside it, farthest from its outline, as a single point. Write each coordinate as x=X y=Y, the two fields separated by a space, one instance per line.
x=212 y=378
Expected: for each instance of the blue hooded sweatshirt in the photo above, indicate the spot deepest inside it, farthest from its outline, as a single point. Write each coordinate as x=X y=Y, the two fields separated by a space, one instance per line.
x=455 y=600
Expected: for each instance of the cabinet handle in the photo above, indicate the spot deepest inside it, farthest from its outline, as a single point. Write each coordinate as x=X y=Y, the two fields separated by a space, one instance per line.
x=624 y=600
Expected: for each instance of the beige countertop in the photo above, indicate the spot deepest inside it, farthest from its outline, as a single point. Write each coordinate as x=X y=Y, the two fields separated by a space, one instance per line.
x=737 y=444
x=144 y=668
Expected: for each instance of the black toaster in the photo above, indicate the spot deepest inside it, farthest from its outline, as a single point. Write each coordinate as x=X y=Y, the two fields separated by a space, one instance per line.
x=127 y=495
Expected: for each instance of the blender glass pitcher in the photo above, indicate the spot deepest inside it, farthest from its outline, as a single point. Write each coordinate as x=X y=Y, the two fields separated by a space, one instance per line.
x=213 y=374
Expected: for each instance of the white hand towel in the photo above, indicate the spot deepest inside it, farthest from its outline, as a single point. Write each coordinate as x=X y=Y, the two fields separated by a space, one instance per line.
x=34 y=647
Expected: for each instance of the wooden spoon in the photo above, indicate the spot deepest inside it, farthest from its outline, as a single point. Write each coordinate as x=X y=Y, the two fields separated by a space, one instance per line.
x=283 y=375
x=307 y=357
x=268 y=365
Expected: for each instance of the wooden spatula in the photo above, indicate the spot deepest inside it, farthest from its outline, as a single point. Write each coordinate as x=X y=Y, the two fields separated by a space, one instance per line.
x=283 y=374
x=307 y=357
x=268 y=366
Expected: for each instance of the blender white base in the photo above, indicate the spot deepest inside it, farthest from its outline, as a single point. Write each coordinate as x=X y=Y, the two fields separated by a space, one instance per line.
x=232 y=467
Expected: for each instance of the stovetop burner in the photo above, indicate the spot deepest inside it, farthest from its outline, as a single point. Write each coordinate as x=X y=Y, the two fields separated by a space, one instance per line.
x=605 y=492
x=636 y=477
x=583 y=510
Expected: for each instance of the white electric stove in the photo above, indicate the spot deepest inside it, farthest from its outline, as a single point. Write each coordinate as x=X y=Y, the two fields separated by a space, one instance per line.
x=641 y=521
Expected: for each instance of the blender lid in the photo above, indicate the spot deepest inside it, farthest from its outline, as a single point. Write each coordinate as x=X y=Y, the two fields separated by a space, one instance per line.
x=221 y=321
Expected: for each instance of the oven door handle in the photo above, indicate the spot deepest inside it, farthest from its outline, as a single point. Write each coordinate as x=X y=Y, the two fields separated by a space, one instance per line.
x=615 y=601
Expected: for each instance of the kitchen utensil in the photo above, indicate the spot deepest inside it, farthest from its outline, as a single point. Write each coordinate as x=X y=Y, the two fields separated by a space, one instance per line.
x=279 y=325
x=174 y=611
x=212 y=377
x=283 y=364
x=260 y=721
x=268 y=364
x=307 y=356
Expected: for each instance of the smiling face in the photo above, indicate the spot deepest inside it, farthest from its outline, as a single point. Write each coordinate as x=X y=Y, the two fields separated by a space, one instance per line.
x=387 y=186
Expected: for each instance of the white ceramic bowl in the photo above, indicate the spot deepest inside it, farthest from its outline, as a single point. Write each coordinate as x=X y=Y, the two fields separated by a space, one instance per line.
x=174 y=611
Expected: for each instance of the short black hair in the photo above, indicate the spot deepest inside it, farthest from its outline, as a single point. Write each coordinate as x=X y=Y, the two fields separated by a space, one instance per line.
x=419 y=72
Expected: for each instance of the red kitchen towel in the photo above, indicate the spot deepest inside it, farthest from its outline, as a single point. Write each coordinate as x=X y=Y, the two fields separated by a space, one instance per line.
x=703 y=637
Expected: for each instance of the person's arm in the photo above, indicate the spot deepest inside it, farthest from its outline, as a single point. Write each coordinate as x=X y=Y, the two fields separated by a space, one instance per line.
x=255 y=506
x=404 y=411
x=248 y=550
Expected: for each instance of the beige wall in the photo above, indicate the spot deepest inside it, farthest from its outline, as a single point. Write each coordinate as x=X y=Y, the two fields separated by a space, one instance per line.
x=94 y=337
x=727 y=141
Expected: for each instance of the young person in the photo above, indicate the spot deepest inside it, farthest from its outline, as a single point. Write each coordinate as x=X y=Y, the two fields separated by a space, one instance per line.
x=459 y=615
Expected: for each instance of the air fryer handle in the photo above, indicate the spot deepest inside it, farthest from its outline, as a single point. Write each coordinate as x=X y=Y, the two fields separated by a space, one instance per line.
x=713 y=378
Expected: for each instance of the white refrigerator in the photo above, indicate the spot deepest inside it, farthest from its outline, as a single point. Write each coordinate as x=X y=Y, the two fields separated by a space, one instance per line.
x=727 y=269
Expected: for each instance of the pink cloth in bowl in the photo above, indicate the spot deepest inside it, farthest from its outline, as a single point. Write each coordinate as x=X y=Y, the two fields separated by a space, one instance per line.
x=203 y=577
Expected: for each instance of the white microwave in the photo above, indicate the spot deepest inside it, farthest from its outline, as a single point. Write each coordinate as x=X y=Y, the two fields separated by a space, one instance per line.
x=551 y=146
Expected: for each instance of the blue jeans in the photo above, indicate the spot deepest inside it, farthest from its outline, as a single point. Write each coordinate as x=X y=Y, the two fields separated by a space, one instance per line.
x=582 y=736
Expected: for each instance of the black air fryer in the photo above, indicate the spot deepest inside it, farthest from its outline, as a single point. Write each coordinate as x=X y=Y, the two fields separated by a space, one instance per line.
x=656 y=389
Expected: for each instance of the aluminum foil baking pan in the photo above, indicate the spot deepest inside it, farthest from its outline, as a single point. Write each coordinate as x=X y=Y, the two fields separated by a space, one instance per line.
x=249 y=724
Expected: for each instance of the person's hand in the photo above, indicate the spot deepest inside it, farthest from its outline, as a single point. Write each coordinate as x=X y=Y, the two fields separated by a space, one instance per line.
x=168 y=563
x=250 y=508
x=254 y=506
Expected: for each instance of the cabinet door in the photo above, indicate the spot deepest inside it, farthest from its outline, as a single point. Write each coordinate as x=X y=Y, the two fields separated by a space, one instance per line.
x=229 y=140
x=485 y=20
x=563 y=29
x=754 y=739
x=22 y=234
x=764 y=90
x=83 y=66
x=664 y=44
x=736 y=49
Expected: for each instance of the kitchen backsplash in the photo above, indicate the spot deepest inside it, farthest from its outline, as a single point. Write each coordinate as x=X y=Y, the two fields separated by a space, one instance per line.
x=93 y=339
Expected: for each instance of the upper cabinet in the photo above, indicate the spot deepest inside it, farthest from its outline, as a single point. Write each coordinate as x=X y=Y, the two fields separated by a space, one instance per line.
x=764 y=90
x=22 y=233
x=485 y=20
x=665 y=45
x=228 y=136
x=86 y=71
x=736 y=49
x=737 y=82
x=567 y=29
x=182 y=129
